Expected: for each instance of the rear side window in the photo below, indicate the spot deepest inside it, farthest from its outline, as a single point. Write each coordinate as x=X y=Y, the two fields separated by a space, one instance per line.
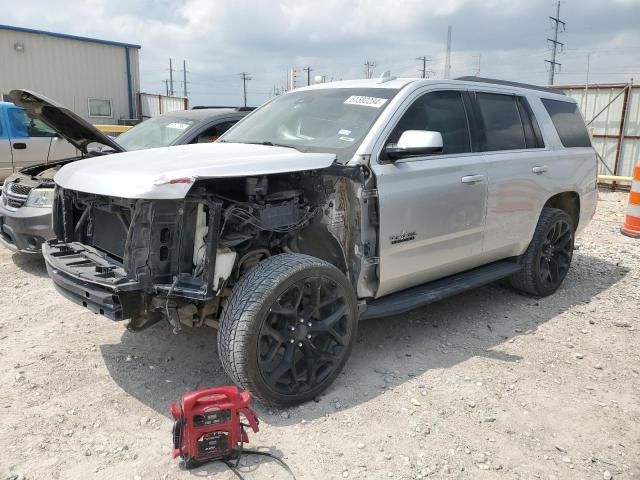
x=438 y=112
x=532 y=133
x=568 y=122
x=502 y=124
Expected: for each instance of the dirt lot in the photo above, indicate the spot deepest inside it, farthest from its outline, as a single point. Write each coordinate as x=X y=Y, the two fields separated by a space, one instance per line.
x=488 y=384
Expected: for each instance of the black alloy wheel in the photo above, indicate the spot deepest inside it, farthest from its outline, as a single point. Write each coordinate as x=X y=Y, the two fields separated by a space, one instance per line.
x=555 y=254
x=546 y=261
x=305 y=336
x=288 y=328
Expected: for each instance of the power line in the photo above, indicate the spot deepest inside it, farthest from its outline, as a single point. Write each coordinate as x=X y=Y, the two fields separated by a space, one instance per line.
x=368 y=68
x=554 y=44
x=245 y=78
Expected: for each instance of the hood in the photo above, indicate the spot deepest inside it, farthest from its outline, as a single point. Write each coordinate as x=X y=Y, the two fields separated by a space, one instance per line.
x=74 y=129
x=169 y=172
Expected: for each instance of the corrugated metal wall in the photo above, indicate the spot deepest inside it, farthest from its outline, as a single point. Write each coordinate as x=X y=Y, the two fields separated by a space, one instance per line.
x=152 y=105
x=605 y=128
x=69 y=71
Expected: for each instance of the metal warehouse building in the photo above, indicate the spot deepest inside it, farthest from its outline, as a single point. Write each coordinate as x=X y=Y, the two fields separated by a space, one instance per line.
x=98 y=79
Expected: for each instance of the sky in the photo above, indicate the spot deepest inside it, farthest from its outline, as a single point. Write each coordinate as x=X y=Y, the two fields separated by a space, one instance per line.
x=219 y=39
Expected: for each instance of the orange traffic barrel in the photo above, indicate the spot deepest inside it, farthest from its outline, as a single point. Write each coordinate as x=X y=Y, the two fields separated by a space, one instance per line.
x=631 y=226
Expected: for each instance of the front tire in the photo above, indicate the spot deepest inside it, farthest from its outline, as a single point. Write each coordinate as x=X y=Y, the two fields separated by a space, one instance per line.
x=546 y=262
x=288 y=328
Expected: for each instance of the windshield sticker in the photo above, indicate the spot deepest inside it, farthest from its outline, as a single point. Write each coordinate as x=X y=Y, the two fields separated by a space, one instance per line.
x=365 y=101
x=347 y=139
x=178 y=125
x=344 y=132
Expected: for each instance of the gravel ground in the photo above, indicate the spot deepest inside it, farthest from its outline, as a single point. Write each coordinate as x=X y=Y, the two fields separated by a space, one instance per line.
x=488 y=384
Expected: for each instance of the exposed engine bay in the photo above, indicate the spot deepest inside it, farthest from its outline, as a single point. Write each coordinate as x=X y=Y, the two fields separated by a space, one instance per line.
x=179 y=259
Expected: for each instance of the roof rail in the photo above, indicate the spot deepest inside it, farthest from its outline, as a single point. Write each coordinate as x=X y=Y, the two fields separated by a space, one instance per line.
x=472 y=78
x=238 y=109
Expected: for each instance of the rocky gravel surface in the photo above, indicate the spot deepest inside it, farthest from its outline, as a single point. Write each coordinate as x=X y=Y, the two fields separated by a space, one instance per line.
x=488 y=384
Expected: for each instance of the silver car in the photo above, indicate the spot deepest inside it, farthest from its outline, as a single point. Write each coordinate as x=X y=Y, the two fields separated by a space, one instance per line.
x=329 y=204
x=25 y=203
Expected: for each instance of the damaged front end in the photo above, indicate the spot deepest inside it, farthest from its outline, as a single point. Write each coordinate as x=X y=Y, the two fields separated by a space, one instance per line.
x=178 y=259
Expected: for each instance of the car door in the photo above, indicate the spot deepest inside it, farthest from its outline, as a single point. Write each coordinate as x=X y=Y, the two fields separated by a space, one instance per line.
x=30 y=139
x=6 y=163
x=432 y=208
x=514 y=152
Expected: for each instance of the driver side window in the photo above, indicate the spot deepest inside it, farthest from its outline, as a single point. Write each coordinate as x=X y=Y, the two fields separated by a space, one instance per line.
x=442 y=112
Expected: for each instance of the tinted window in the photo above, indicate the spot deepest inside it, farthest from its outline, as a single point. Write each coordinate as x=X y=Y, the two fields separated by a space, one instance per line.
x=532 y=134
x=438 y=112
x=568 y=122
x=212 y=133
x=501 y=119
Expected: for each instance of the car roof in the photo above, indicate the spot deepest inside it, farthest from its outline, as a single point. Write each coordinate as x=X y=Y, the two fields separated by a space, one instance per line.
x=475 y=83
x=204 y=113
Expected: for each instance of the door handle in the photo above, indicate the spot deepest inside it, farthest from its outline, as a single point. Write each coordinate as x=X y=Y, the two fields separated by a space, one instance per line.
x=539 y=170
x=471 y=179
x=19 y=146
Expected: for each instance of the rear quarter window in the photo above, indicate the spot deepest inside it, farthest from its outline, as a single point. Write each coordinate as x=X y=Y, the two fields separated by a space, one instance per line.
x=568 y=122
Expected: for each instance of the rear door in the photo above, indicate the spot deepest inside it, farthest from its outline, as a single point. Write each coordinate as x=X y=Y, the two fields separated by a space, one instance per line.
x=6 y=163
x=432 y=208
x=30 y=138
x=516 y=158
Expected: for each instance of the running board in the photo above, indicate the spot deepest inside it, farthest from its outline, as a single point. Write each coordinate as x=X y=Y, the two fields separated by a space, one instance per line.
x=421 y=295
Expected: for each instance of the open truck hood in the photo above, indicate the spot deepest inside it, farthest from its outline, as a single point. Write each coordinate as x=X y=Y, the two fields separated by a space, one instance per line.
x=169 y=172
x=76 y=130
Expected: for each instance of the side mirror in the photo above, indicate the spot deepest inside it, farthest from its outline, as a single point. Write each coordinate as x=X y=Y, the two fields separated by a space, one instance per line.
x=414 y=143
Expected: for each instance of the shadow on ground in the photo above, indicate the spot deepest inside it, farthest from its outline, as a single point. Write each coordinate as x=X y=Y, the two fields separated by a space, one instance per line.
x=157 y=367
x=31 y=263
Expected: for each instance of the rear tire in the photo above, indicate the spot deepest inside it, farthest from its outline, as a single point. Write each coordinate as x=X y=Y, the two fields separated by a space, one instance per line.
x=546 y=262
x=288 y=328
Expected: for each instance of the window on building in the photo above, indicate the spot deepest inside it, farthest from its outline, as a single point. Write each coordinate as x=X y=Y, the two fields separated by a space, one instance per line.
x=438 y=112
x=502 y=125
x=568 y=122
x=100 y=107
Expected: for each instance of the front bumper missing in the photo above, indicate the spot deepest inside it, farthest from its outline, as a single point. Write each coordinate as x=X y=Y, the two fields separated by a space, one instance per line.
x=87 y=277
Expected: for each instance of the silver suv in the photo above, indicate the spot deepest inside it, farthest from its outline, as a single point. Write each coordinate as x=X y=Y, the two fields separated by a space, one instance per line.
x=329 y=204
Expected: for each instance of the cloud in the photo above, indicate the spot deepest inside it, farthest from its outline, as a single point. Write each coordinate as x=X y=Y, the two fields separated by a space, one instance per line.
x=219 y=39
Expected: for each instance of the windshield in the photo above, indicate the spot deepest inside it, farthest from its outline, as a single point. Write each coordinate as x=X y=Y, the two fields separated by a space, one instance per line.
x=156 y=132
x=331 y=120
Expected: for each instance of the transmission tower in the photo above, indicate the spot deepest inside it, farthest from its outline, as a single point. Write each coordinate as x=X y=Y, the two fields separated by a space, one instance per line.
x=555 y=43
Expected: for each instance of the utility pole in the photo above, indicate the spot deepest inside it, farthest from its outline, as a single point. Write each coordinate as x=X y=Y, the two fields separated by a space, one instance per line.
x=308 y=70
x=291 y=80
x=368 y=68
x=171 y=77
x=184 y=80
x=447 y=62
x=423 y=70
x=586 y=86
x=166 y=85
x=554 y=44
x=479 y=64
x=245 y=78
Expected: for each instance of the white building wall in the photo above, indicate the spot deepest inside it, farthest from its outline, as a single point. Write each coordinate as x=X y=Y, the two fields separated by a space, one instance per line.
x=69 y=71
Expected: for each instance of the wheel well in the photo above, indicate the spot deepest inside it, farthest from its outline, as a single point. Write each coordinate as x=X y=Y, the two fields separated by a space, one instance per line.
x=569 y=202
